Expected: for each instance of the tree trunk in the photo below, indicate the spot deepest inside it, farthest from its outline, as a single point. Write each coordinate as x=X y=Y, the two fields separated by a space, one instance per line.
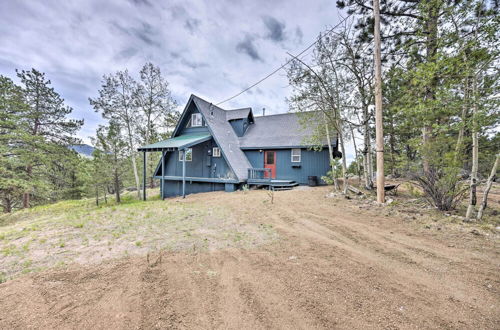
x=344 y=162
x=358 y=166
x=136 y=174
x=367 y=163
x=392 y=142
x=96 y=195
x=26 y=195
x=330 y=151
x=475 y=158
x=461 y=132
x=7 y=205
x=117 y=187
x=431 y=25
x=379 y=136
x=134 y=163
x=489 y=183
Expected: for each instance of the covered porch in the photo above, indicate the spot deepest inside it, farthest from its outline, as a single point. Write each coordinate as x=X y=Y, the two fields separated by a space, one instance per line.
x=180 y=143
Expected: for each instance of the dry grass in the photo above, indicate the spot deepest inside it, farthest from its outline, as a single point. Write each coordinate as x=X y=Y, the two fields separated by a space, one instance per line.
x=78 y=231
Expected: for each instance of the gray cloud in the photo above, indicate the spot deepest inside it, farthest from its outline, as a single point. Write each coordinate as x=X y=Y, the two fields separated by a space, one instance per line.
x=193 y=64
x=144 y=32
x=298 y=35
x=192 y=24
x=142 y=2
x=275 y=28
x=247 y=46
x=210 y=48
x=127 y=53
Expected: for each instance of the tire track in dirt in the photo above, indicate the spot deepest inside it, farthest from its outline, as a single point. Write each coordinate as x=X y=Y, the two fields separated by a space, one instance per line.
x=331 y=268
x=360 y=248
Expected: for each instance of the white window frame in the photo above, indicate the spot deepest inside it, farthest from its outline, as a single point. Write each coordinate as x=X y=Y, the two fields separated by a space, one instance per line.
x=216 y=152
x=196 y=120
x=299 y=155
x=189 y=152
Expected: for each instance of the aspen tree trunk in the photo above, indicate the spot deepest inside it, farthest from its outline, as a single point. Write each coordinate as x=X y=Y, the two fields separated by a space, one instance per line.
x=358 y=166
x=344 y=162
x=117 y=187
x=489 y=183
x=475 y=158
x=134 y=162
x=367 y=161
x=460 y=138
x=330 y=151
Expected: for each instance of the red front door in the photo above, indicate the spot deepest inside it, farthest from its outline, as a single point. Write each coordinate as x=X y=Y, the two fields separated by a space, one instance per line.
x=270 y=162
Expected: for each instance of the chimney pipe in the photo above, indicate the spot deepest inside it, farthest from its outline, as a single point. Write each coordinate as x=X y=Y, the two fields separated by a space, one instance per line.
x=263 y=112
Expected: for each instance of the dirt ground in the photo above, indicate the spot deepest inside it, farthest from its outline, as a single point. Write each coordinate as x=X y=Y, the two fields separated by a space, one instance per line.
x=337 y=263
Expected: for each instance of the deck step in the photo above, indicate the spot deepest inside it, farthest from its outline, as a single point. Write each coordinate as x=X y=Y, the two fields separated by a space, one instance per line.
x=283 y=188
x=289 y=184
x=274 y=183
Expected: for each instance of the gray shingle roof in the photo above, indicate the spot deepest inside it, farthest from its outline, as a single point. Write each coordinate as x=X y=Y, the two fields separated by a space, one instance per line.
x=225 y=137
x=282 y=130
x=237 y=113
x=272 y=131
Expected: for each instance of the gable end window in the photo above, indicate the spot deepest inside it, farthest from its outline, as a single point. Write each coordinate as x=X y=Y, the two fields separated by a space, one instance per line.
x=196 y=120
x=296 y=156
x=189 y=155
x=216 y=152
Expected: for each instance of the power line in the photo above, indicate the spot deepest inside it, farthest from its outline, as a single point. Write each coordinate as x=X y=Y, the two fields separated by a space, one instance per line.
x=287 y=62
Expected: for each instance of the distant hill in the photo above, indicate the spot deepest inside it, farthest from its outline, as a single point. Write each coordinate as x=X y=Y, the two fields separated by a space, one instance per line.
x=84 y=150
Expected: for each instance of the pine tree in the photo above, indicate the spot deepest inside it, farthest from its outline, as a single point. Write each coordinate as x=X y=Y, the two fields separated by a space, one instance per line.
x=48 y=129
x=13 y=179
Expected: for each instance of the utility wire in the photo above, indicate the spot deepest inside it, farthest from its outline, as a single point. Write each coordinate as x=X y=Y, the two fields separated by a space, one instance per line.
x=287 y=62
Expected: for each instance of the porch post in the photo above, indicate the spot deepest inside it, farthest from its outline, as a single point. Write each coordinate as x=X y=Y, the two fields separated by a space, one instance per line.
x=184 y=173
x=162 y=174
x=144 y=175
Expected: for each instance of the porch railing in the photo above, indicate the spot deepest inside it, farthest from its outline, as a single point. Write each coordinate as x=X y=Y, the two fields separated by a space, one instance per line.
x=259 y=174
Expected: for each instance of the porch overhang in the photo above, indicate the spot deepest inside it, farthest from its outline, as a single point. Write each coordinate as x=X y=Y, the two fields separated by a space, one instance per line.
x=177 y=143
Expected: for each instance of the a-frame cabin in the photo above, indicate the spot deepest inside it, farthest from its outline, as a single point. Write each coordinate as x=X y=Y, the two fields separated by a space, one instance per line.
x=214 y=149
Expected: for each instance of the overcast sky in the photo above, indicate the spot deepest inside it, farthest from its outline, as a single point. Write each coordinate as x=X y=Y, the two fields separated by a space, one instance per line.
x=213 y=49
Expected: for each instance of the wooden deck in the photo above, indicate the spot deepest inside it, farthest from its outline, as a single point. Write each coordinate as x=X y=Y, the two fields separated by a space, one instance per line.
x=262 y=177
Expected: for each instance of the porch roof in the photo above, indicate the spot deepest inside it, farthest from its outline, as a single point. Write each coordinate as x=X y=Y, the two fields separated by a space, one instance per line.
x=179 y=142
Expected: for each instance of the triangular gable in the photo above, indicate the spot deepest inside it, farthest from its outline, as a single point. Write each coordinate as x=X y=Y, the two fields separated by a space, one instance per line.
x=183 y=120
x=221 y=131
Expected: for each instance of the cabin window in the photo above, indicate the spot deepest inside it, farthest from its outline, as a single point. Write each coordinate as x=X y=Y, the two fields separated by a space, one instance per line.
x=216 y=152
x=296 y=155
x=189 y=155
x=196 y=120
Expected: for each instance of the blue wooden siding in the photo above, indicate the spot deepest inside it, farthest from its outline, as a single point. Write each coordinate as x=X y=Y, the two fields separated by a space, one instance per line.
x=312 y=163
x=188 y=130
x=239 y=126
x=174 y=188
x=202 y=164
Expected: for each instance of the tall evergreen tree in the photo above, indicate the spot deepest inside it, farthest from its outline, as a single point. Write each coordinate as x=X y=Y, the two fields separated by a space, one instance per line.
x=49 y=131
x=13 y=179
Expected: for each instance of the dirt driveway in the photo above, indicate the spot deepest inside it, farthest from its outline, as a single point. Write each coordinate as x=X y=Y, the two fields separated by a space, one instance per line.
x=336 y=264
